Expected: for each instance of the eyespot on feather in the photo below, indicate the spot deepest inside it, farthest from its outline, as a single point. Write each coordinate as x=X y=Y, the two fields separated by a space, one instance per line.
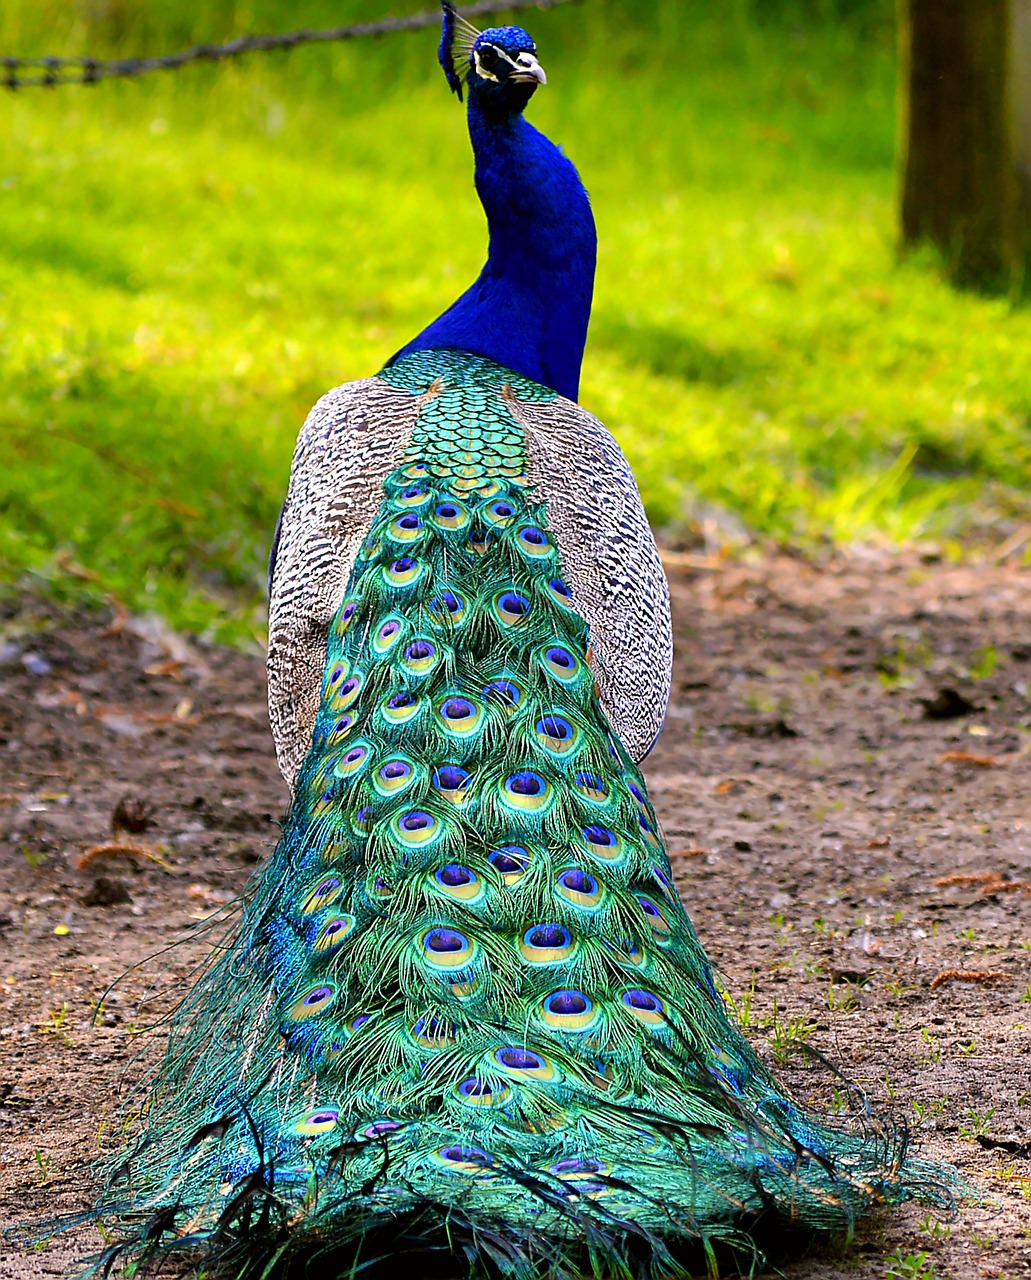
x=313 y=1002
x=547 y=944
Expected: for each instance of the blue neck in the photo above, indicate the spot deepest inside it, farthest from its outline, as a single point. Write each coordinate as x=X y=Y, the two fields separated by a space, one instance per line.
x=529 y=308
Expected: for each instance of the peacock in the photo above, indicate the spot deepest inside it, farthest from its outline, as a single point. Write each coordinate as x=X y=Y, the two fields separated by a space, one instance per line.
x=463 y=1020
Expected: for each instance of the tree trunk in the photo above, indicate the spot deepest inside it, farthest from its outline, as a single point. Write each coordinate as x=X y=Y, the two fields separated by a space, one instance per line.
x=1022 y=122
x=960 y=127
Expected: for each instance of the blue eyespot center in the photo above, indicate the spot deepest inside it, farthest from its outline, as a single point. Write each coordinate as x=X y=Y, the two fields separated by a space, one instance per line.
x=395 y=770
x=446 y=941
x=561 y=658
x=555 y=727
x=577 y=881
x=514 y=603
x=646 y=1001
x=510 y=860
x=548 y=937
x=526 y=783
x=516 y=1059
x=455 y=877
x=450 y=777
x=567 y=1004
x=417 y=821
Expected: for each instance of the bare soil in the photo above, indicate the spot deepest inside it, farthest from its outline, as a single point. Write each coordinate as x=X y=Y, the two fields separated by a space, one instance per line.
x=844 y=779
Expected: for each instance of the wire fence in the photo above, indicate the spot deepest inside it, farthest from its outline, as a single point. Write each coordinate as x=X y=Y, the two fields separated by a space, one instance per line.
x=29 y=73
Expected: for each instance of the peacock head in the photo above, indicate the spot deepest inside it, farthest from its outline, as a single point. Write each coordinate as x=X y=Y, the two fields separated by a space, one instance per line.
x=499 y=65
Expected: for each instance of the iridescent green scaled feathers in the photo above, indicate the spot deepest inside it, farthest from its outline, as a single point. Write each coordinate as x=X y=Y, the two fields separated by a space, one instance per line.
x=465 y=1006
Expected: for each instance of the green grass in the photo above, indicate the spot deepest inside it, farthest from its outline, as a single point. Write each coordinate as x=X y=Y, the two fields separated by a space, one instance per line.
x=188 y=262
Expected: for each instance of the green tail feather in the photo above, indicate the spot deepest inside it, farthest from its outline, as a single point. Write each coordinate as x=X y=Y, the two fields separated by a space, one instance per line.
x=465 y=1005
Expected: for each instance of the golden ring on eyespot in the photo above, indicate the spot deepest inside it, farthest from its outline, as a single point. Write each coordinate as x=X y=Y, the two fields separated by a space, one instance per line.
x=561 y=663
x=445 y=948
x=353 y=761
x=344 y=694
x=335 y=677
x=346 y=616
x=313 y=1002
x=327 y=889
x=512 y=608
x=656 y=916
x=401 y=708
x=527 y=792
x=568 y=1010
x=580 y=889
x=510 y=861
x=393 y=776
x=645 y=1006
x=447 y=608
x=406 y=528
x=603 y=844
x=414 y=496
x=560 y=593
x=465 y=990
x=449 y=514
x=458 y=882
x=534 y=543
x=482 y=1093
x=334 y=932
x=421 y=656
x=556 y=734
x=593 y=788
x=525 y=1064
x=390 y=632
x=498 y=514
x=416 y=828
x=459 y=715
x=470 y=1160
x=547 y=944
x=403 y=572
x=316 y=1123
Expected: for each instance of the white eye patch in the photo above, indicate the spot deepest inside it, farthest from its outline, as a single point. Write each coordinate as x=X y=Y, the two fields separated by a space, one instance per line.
x=487 y=56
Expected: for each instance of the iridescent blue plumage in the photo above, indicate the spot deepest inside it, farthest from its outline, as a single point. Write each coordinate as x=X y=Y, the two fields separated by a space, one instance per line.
x=530 y=306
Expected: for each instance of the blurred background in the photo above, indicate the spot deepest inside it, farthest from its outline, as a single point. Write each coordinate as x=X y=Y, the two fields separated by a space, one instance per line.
x=188 y=261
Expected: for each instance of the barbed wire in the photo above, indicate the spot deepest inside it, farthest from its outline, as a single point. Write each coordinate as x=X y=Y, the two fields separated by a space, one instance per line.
x=60 y=71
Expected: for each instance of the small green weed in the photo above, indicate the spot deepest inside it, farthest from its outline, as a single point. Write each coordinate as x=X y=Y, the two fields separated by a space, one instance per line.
x=43 y=1162
x=910 y=1266
x=978 y=1124
x=935 y=1229
x=785 y=1036
x=924 y=1110
x=985 y=663
x=934 y=1045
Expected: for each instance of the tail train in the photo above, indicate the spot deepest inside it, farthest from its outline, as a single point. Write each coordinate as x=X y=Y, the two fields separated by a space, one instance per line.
x=465 y=1010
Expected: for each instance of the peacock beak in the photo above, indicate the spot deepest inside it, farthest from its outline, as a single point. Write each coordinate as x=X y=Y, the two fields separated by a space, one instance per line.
x=527 y=68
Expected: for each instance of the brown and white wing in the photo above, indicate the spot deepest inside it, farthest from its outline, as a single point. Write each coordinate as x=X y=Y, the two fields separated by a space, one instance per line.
x=350 y=443
x=611 y=563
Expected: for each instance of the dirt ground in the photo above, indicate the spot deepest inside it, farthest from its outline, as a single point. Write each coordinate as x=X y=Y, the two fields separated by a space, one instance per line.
x=844 y=779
